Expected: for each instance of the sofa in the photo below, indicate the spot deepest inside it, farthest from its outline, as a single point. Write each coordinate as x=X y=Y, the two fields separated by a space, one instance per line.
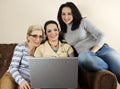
x=86 y=80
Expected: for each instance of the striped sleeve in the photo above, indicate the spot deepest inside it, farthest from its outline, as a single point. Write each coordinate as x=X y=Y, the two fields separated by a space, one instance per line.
x=15 y=64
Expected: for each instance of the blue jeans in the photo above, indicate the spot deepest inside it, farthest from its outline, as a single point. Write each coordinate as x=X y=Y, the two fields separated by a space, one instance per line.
x=104 y=59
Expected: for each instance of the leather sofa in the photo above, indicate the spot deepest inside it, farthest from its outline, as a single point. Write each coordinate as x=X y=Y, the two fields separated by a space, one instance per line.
x=87 y=80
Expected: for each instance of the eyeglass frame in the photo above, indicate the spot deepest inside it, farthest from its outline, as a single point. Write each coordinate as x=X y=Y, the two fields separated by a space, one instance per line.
x=36 y=36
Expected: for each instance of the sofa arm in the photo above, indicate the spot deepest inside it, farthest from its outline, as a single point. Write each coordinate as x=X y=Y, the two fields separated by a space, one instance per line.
x=103 y=79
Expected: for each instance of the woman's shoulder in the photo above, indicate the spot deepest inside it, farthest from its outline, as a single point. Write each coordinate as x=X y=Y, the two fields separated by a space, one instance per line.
x=65 y=44
x=43 y=44
x=21 y=46
x=85 y=20
x=67 y=47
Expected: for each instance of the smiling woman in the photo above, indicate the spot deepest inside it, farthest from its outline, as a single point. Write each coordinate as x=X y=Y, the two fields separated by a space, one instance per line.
x=54 y=45
x=88 y=40
x=18 y=74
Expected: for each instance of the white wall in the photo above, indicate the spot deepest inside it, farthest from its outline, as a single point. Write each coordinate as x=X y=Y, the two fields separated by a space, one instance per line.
x=17 y=15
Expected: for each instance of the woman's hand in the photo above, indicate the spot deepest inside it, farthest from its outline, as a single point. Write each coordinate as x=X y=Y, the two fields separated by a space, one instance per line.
x=95 y=49
x=25 y=85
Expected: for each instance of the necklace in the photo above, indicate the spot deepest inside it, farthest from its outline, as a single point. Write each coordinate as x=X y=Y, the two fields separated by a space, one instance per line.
x=54 y=47
x=54 y=44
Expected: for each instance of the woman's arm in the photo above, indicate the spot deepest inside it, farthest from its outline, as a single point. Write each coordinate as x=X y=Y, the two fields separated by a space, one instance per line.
x=38 y=51
x=15 y=63
x=96 y=33
x=70 y=51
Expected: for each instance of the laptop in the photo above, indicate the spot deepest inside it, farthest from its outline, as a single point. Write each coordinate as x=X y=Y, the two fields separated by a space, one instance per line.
x=54 y=73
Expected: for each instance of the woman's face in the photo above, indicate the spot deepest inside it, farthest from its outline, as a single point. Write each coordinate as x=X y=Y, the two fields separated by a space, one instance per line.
x=67 y=16
x=52 y=32
x=35 y=38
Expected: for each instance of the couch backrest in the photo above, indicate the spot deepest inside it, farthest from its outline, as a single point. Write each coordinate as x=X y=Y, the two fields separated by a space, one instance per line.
x=6 y=53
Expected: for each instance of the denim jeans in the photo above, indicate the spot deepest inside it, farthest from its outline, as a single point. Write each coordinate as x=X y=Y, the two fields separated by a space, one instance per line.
x=104 y=59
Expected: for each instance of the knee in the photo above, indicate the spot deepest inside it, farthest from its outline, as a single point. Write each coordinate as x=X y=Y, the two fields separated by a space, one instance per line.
x=83 y=57
x=6 y=81
x=6 y=77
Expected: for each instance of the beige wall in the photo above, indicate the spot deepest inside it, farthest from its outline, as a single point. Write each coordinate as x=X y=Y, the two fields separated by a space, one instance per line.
x=17 y=15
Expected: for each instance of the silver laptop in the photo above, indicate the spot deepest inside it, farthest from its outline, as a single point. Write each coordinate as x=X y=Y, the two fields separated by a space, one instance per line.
x=54 y=73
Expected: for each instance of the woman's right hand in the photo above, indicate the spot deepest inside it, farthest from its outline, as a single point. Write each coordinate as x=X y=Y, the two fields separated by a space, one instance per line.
x=25 y=85
x=95 y=49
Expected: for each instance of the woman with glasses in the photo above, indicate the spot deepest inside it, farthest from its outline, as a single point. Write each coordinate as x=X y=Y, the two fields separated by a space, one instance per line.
x=54 y=45
x=18 y=74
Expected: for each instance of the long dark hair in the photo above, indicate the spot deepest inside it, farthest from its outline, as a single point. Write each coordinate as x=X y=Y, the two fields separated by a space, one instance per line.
x=61 y=39
x=76 y=16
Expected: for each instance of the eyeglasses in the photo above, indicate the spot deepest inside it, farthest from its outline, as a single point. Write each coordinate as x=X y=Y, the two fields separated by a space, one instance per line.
x=36 y=36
